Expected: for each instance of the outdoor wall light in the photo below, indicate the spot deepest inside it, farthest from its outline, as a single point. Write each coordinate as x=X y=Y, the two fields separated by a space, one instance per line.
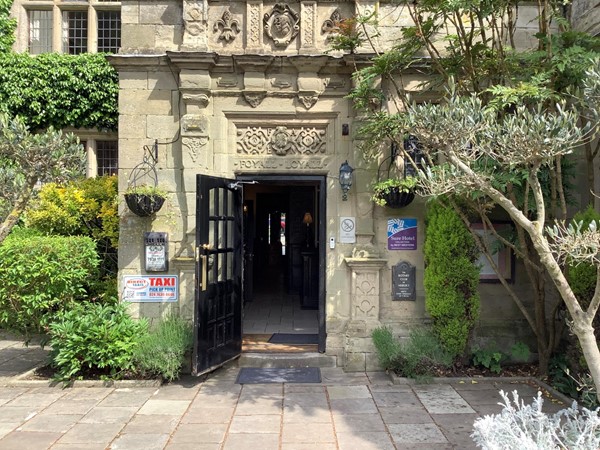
x=345 y=179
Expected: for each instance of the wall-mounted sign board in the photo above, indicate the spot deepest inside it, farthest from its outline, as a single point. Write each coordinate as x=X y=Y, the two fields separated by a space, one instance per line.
x=150 y=288
x=156 y=245
x=404 y=282
x=402 y=234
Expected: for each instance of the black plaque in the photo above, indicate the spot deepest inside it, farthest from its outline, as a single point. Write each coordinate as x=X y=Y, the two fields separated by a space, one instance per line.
x=404 y=281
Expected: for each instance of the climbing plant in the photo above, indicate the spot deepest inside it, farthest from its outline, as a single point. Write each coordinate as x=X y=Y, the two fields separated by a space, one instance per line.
x=59 y=90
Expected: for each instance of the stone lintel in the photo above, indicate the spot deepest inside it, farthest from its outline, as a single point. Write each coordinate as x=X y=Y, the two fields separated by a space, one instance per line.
x=365 y=264
x=193 y=60
x=253 y=63
x=308 y=63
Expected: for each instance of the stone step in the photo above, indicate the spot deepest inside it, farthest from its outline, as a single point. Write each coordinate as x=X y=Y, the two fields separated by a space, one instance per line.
x=286 y=360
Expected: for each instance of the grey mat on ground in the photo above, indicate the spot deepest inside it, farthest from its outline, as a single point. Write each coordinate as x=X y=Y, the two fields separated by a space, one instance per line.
x=290 y=338
x=259 y=375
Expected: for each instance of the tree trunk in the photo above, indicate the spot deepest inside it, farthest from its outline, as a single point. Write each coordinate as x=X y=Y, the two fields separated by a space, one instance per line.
x=591 y=353
x=18 y=209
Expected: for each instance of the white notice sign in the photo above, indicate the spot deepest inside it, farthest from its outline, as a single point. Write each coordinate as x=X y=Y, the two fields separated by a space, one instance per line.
x=143 y=288
x=347 y=230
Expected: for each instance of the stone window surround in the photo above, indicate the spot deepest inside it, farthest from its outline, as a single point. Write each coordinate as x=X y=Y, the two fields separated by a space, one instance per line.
x=58 y=7
x=89 y=138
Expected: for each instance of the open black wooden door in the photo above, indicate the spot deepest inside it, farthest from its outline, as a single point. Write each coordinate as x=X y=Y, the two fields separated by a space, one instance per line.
x=218 y=302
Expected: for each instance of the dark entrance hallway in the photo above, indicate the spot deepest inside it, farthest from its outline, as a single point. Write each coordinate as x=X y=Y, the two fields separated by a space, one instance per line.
x=281 y=260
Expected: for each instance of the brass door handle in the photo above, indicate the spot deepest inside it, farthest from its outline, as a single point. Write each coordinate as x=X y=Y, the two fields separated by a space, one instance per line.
x=204 y=259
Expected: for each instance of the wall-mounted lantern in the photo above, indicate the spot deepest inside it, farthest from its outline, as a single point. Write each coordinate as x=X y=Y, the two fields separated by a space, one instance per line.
x=345 y=179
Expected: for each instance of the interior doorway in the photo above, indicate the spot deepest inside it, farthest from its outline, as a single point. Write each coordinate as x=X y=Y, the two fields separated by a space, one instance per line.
x=283 y=271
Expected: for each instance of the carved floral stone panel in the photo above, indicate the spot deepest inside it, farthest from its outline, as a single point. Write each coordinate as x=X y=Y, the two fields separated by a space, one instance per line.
x=228 y=26
x=281 y=141
x=282 y=24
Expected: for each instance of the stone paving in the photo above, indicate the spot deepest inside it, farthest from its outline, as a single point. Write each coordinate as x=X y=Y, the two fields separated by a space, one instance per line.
x=354 y=411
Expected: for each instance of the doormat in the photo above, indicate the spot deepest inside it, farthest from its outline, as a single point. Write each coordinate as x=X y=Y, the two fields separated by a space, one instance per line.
x=259 y=375
x=289 y=338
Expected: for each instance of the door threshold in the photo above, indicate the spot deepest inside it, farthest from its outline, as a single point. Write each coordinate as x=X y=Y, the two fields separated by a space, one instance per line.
x=259 y=343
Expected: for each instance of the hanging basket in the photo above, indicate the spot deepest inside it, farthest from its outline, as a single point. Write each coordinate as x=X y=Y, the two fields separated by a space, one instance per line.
x=144 y=205
x=395 y=198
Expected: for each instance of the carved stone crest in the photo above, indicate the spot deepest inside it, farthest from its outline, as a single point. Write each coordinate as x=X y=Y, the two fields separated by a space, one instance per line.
x=282 y=24
x=194 y=124
x=228 y=25
x=254 y=98
x=280 y=141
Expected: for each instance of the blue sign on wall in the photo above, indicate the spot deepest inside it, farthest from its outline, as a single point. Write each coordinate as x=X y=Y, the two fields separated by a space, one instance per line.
x=402 y=234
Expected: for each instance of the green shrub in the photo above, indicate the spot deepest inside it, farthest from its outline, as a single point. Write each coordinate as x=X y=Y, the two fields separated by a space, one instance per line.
x=94 y=337
x=40 y=275
x=491 y=359
x=87 y=207
x=582 y=277
x=162 y=352
x=451 y=278
x=388 y=348
x=418 y=357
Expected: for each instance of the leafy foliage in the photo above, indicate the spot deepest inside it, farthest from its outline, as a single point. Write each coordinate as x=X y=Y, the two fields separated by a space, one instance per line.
x=582 y=277
x=59 y=90
x=527 y=427
x=417 y=357
x=490 y=359
x=41 y=275
x=162 y=352
x=94 y=336
x=29 y=158
x=407 y=184
x=8 y=26
x=451 y=278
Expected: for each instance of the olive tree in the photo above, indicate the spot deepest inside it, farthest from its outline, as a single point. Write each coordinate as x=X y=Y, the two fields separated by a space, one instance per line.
x=27 y=159
x=472 y=145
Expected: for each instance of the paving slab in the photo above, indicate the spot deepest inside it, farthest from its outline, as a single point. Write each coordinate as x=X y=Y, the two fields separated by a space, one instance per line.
x=347 y=411
x=140 y=441
x=442 y=399
x=308 y=433
x=19 y=440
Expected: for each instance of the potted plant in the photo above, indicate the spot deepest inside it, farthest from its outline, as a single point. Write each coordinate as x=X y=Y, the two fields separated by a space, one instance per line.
x=144 y=200
x=394 y=192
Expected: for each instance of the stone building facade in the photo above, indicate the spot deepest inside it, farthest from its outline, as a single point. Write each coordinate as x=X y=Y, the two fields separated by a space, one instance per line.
x=250 y=91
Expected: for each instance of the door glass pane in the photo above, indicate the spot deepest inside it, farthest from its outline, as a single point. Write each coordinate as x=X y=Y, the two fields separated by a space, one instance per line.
x=230 y=233
x=222 y=234
x=229 y=203
x=221 y=268
x=229 y=265
x=211 y=202
x=211 y=265
x=211 y=234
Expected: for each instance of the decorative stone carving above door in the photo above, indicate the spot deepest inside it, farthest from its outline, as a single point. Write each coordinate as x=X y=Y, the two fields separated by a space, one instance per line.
x=282 y=24
x=281 y=141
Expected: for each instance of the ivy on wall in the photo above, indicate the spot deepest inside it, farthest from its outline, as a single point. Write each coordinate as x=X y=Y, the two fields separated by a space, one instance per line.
x=60 y=90
x=7 y=26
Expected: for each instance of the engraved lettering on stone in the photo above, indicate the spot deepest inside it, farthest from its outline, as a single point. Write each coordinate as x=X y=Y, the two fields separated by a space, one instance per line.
x=254 y=98
x=295 y=141
x=194 y=145
x=228 y=25
x=308 y=21
x=331 y=26
x=282 y=24
x=281 y=163
x=254 y=25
